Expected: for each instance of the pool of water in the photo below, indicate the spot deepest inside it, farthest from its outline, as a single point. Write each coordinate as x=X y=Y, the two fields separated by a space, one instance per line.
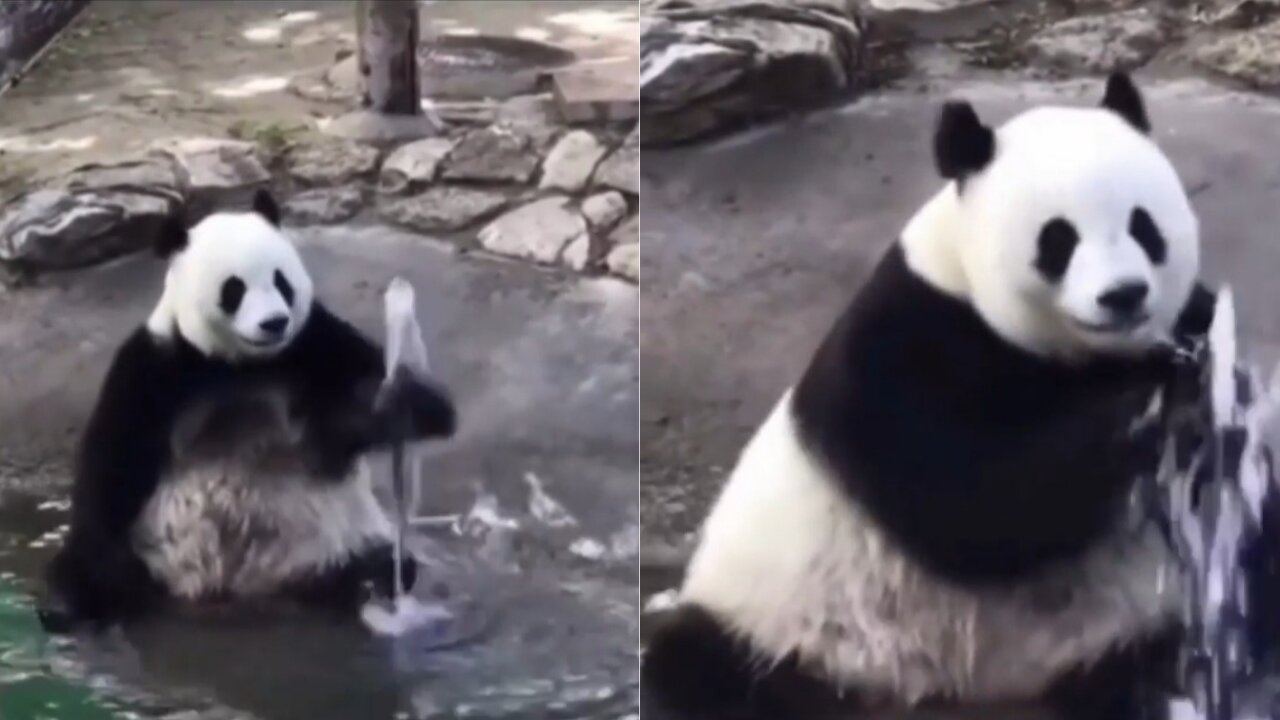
x=532 y=641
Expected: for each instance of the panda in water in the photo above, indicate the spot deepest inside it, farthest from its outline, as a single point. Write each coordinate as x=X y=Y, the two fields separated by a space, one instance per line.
x=933 y=512
x=222 y=460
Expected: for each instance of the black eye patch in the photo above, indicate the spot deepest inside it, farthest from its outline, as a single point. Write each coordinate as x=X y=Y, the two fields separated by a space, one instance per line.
x=282 y=284
x=1143 y=230
x=233 y=289
x=1057 y=242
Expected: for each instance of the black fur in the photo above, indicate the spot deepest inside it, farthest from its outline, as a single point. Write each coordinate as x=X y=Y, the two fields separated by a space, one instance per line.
x=694 y=670
x=1054 y=248
x=332 y=374
x=1132 y=683
x=1144 y=231
x=265 y=205
x=962 y=145
x=1123 y=98
x=983 y=461
x=171 y=237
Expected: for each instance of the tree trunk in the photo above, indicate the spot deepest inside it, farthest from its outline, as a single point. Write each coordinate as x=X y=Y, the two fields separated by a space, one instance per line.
x=388 y=56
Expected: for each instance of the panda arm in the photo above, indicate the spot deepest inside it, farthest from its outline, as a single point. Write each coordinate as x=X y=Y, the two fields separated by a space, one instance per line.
x=338 y=374
x=978 y=500
x=121 y=457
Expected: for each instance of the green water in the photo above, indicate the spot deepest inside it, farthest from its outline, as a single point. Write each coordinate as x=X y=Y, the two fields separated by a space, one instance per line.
x=28 y=690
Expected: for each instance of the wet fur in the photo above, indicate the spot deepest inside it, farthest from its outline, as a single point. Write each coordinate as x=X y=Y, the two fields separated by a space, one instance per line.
x=137 y=460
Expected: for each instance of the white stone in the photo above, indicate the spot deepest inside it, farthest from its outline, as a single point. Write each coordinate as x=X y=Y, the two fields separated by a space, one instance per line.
x=442 y=208
x=621 y=169
x=604 y=210
x=494 y=154
x=413 y=164
x=624 y=260
x=331 y=162
x=578 y=254
x=214 y=172
x=323 y=206
x=539 y=231
x=569 y=164
x=1100 y=43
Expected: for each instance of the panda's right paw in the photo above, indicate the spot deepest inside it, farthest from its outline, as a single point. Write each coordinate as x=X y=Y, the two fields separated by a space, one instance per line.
x=411 y=407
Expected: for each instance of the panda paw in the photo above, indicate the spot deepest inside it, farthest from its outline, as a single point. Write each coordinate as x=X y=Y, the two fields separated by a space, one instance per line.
x=379 y=568
x=411 y=407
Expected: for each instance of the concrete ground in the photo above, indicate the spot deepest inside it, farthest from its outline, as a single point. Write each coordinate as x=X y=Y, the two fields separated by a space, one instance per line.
x=544 y=369
x=127 y=73
x=752 y=246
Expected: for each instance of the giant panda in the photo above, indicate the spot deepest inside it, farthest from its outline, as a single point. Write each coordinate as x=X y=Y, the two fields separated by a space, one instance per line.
x=223 y=459
x=937 y=511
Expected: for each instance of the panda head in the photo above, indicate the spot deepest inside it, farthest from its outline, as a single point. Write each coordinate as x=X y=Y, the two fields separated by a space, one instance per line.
x=1067 y=227
x=236 y=287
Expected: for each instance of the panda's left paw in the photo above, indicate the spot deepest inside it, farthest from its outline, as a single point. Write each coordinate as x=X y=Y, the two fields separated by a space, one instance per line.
x=411 y=407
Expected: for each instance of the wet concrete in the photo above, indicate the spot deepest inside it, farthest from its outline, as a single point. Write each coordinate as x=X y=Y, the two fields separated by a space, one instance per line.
x=754 y=244
x=544 y=369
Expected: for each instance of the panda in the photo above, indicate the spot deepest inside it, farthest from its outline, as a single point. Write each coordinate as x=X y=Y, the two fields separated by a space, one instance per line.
x=221 y=462
x=936 y=512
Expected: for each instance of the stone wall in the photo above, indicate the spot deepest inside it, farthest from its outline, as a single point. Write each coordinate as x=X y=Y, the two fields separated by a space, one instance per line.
x=26 y=27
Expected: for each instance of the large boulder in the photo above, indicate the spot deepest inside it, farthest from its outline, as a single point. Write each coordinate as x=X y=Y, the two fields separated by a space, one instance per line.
x=538 y=231
x=1250 y=56
x=92 y=214
x=1100 y=43
x=712 y=64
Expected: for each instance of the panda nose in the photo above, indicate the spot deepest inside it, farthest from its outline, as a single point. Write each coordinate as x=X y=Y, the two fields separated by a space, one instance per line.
x=1125 y=298
x=274 y=325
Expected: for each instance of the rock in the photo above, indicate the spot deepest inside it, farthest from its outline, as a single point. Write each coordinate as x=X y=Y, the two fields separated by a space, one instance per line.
x=569 y=164
x=1252 y=57
x=1237 y=14
x=413 y=164
x=1100 y=43
x=624 y=260
x=94 y=213
x=717 y=63
x=923 y=5
x=539 y=231
x=626 y=233
x=597 y=92
x=442 y=209
x=578 y=254
x=492 y=154
x=603 y=211
x=323 y=206
x=621 y=169
x=214 y=172
x=331 y=161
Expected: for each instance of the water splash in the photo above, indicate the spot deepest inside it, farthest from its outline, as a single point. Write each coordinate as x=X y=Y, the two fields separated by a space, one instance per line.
x=405 y=350
x=1216 y=478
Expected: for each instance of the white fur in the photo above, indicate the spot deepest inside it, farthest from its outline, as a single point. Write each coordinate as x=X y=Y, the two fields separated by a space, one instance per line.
x=222 y=245
x=238 y=511
x=1085 y=165
x=792 y=565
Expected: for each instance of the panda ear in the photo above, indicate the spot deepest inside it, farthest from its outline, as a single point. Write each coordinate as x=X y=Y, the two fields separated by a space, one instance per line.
x=171 y=238
x=962 y=145
x=1122 y=98
x=265 y=205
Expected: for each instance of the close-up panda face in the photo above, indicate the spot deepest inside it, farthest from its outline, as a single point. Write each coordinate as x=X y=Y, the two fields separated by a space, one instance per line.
x=237 y=287
x=1083 y=239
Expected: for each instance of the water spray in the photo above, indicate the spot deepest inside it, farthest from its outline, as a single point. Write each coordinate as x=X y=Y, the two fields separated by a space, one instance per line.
x=1213 y=479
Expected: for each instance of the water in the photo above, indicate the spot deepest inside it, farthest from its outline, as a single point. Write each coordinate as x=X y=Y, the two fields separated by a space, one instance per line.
x=1214 y=502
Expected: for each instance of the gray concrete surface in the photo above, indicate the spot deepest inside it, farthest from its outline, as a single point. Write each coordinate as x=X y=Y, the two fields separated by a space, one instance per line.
x=754 y=244
x=544 y=368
